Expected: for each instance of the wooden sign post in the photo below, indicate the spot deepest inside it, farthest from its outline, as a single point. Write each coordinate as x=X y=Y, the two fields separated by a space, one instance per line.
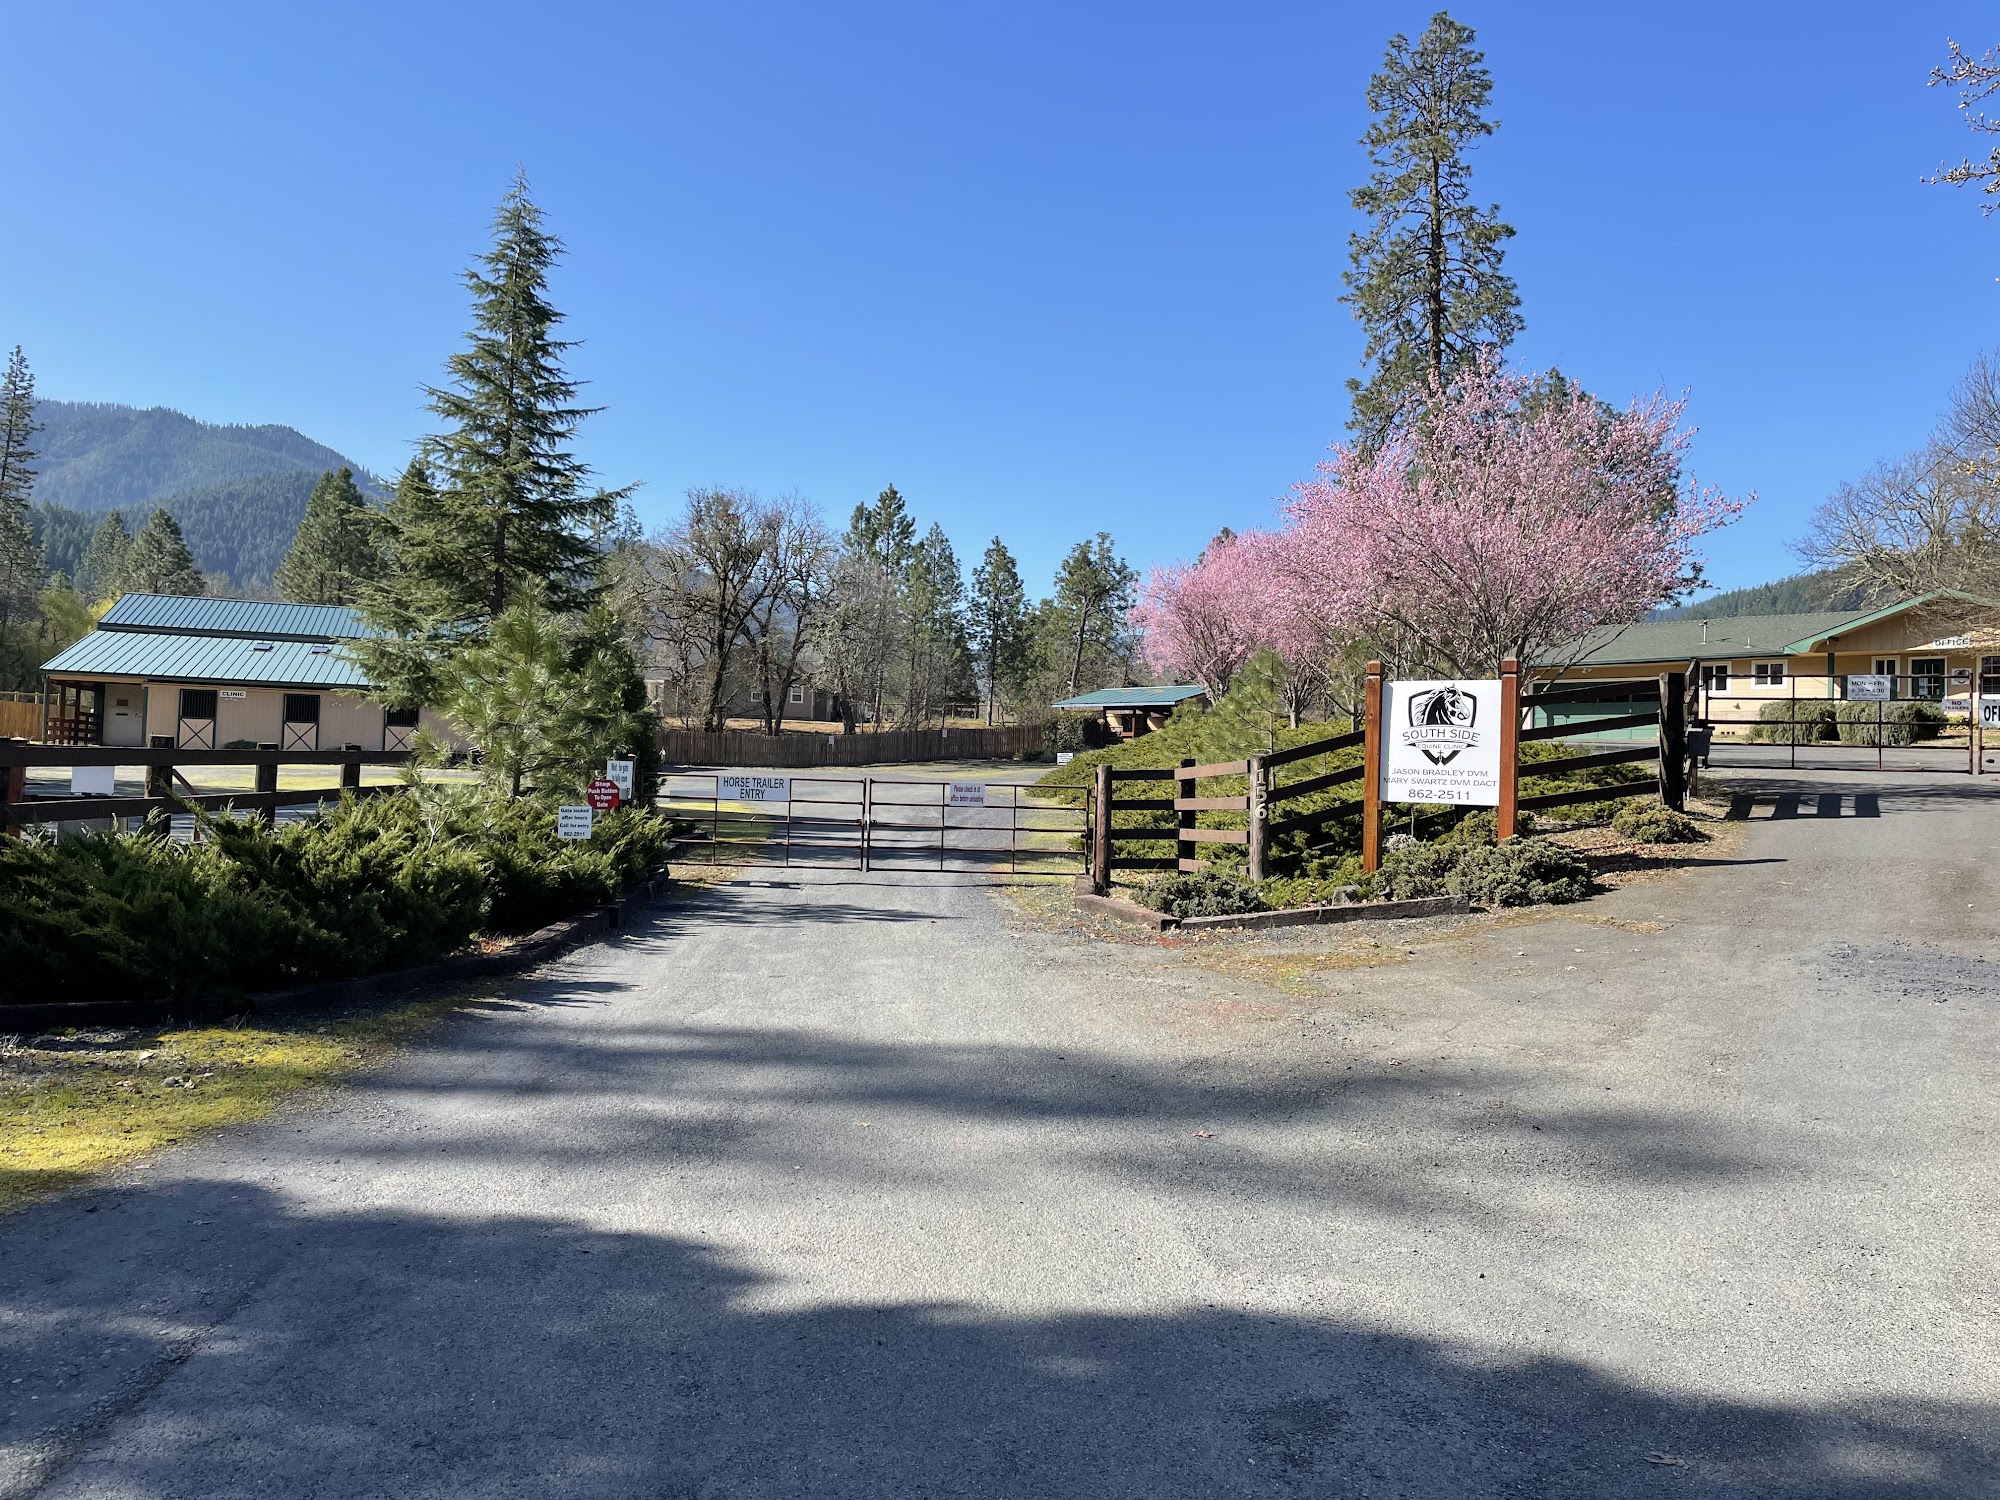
x=1371 y=770
x=1504 y=815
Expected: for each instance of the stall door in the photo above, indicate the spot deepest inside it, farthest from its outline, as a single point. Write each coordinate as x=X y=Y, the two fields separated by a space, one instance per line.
x=301 y=728
x=399 y=727
x=196 y=729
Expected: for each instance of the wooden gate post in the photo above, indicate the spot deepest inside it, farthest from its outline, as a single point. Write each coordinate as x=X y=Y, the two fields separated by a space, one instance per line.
x=13 y=788
x=1185 y=818
x=1371 y=769
x=1100 y=835
x=1673 y=739
x=1505 y=815
x=1260 y=819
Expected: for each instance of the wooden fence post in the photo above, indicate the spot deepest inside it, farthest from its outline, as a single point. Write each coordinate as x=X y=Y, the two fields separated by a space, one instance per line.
x=1505 y=815
x=1371 y=770
x=267 y=786
x=1185 y=818
x=1673 y=739
x=1260 y=819
x=1100 y=835
x=13 y=788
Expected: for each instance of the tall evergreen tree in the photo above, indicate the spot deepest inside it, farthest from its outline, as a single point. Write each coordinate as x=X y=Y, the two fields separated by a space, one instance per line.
x=103 y=572
x=159 y=562
x=885 y=530
x=1093 y=597
x=21 y=566
x=1425 y=281
x=936 y=656
x=519 y=503
x=998 y=620
x=334 y=553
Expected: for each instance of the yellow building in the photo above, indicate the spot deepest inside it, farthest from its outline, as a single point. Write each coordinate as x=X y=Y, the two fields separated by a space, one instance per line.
x=1940 y=648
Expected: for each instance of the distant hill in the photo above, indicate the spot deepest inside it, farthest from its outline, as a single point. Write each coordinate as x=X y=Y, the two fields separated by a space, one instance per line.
x=95 y=456
x=238 y=492
x=1802 y=593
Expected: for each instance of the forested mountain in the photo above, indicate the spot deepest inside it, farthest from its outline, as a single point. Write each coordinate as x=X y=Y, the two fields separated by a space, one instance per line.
x=95 y=456
x=237 y=492
x=1802 y=593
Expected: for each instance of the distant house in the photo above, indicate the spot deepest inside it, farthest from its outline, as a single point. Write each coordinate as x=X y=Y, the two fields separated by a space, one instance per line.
x=207 y=673
x=1129 y=712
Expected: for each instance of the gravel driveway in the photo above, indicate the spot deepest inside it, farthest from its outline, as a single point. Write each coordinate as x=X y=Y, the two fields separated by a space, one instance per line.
x=834 y=1185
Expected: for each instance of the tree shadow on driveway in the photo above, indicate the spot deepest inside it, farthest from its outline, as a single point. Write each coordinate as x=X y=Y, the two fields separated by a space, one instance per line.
x=261 y=1350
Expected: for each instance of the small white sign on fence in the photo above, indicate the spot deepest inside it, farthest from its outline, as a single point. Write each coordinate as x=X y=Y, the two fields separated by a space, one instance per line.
x=1064 y=757
x=93 y=781
x=619 y=774
x=573 y=822
x=753 y=788
x=1441 y=742
x=966 y=794
x=1870 y=687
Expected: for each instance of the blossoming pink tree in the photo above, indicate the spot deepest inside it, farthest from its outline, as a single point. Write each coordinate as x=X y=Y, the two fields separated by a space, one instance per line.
x=1499 y=525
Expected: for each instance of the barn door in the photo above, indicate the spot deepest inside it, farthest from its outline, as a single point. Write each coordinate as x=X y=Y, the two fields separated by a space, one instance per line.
x=301 y=727
x=196 y=730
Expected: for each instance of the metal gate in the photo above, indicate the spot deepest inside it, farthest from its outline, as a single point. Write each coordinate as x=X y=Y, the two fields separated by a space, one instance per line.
x=874 y=823
x=1909 y=722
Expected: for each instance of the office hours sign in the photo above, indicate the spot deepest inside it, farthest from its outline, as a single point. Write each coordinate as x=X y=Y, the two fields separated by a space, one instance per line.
x=1441 y=742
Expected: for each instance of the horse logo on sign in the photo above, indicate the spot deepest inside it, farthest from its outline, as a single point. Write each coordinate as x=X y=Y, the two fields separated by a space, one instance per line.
x=1441 y=723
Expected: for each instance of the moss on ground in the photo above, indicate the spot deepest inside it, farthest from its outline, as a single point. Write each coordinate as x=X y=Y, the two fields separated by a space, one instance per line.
x=77 y=1103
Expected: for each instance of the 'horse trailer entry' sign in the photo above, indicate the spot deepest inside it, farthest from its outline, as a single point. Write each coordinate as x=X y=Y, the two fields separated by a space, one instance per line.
x=1441 y=742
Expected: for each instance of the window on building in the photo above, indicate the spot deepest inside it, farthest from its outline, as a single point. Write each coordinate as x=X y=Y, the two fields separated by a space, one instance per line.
x=302 y=708
x=1927 y=677
x=798 y=692
x=1768 y=673
x=1715 y=679
x=197 y=703
x=399 y=718
x=1989 y=676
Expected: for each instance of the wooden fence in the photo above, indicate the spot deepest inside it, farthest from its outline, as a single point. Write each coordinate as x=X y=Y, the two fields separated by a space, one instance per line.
x=1662 y=706
x=18 y=809
x=20 y=716
x=694 y=747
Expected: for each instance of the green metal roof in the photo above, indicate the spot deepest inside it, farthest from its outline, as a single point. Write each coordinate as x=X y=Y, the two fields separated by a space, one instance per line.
x=1135 y=697
x=206 y=659
x=1734 y=636
x=254 y=619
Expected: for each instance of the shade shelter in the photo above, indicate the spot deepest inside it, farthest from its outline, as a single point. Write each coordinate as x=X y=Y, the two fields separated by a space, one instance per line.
x=1129 y=712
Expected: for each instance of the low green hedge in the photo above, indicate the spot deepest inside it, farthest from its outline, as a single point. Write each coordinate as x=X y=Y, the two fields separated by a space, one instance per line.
x=1652 y=822
x=373 y=884
x=1904 y=722
x=1795 y=721
x=1519 y=872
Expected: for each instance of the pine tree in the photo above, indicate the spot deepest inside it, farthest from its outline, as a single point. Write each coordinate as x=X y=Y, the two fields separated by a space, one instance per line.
x=516 y=502
x=21 y=564
x=334 y=553
x=935 y=652
x=160 y=562
x=1094 y=594
x=884 y=530
x=998 y=620
x=102 y=574
x=1426 y=281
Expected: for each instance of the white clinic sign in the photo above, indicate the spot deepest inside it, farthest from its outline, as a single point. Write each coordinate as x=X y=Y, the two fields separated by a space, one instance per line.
x=1441 y=742
x=573 y=822
x=966 y=794
x=1870 y=687
x=753 y=788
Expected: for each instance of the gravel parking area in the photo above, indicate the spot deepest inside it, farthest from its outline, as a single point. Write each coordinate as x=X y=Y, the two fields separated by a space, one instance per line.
x=840 y=1185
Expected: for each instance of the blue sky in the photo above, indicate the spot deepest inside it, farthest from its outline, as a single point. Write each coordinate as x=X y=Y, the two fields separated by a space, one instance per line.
x=1050 y=268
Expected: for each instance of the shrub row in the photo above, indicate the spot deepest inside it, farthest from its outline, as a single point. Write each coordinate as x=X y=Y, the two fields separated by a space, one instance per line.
x=1805 y=721
x=370 y=885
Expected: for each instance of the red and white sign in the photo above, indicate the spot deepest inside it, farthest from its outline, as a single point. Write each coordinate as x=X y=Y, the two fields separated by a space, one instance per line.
x=602 y=794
